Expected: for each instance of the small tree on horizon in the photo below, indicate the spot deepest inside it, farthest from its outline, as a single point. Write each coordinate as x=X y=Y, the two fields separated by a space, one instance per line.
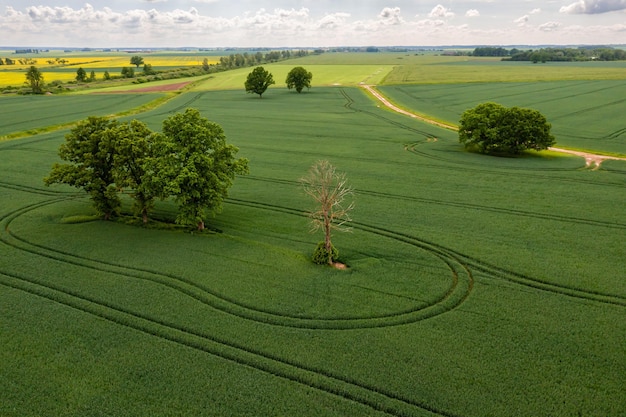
x=329 y=189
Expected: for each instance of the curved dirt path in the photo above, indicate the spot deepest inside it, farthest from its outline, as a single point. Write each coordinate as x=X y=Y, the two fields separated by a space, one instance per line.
x=592 y=160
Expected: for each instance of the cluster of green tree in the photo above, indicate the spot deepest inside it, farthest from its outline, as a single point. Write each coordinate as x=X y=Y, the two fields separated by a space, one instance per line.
x=60 y=61
x=492 y=51
x=552 y=54
x=569 y=54
x=242 y=60
x=21 y=61
x=494 y=129
x=27 y=51
x=189 y=161
x=260 y=79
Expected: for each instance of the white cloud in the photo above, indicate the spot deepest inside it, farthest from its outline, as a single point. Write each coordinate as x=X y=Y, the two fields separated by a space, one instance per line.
x=333 y=21
x=594 y=6
x=535 y=11
x=391 y=16
x=549 y=26
x=522 y=20
x=440 y=12
x=157 y=26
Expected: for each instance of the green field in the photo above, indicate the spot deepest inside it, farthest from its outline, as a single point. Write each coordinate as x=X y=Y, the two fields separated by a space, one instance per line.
x=584 y=114
x=477 y=286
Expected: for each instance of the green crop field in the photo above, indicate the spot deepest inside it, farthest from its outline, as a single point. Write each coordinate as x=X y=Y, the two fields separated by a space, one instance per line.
x=584 y=114
x=477 y=286
x=23 y=113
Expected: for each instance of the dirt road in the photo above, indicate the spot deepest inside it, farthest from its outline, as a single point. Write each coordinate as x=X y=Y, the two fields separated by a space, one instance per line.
x=592 y=160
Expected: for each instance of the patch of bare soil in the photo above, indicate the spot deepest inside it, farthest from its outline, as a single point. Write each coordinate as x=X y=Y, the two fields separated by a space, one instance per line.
x=592 y=160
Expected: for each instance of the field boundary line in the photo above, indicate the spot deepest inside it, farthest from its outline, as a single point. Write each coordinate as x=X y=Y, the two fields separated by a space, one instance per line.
x=592 y=160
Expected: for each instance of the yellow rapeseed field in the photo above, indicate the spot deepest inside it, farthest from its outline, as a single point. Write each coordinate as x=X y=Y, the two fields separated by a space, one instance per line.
x=15 y=75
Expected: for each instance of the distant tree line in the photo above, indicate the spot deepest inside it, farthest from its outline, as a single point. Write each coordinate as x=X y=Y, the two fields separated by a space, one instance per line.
x=246 y=59
x=21 y=61
x=553 y=54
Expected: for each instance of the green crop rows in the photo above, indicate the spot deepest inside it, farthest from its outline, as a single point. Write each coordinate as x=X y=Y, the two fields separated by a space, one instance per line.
x=23 y=113
x=476 y=285
x=584 y=114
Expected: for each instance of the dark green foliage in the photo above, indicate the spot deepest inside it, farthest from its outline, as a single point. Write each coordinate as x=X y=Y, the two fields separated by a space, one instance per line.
x=136 y=61
x=128 y=72
x=193 y=163
x=299 y=78
x=494 y=129
x=148 y=70
x=258 y=81
x=133 y=143
x=35 y=78
x=81 y=75
x=321 y=255
x=89 y=151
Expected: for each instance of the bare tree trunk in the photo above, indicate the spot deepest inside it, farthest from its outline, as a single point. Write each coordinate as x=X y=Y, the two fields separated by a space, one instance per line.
x=327 y=242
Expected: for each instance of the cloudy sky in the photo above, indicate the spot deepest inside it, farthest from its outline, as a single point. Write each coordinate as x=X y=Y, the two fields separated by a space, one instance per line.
x=306 y=23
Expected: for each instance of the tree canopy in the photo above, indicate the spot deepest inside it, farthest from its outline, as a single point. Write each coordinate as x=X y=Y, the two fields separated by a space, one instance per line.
x=299 y=78
x=89 y=152
x=190 y=161
x=494 y=129
x=136 y=61
x=258 y=81
x=35 y=78
x=81 y=75
x=194 y=164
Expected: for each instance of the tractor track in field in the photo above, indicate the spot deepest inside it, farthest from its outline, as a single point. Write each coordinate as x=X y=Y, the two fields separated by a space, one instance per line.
x=458 y=291
x=320 y=379
x=475 y=263
x=471 y=206
x=592 y=160
x=429 y=137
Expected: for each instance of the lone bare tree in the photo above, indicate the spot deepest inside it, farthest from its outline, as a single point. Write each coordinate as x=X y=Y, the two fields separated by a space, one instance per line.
x=329 y=190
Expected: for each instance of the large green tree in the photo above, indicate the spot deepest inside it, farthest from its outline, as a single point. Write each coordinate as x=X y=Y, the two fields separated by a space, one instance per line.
x=134 y=146
x=258 y=81
x=35 y=78
x=299 y=78
x=193 y=163
x=494 y=129
x=136 y=61
x=89 y=150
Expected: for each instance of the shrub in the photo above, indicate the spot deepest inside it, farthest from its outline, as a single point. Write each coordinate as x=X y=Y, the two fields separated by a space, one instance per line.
x=320 y=256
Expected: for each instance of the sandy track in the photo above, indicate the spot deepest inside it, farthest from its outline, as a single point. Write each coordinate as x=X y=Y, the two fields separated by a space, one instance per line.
x=592 y=160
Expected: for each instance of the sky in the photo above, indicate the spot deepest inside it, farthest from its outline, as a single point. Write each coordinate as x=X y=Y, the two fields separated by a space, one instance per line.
x=309 y=23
